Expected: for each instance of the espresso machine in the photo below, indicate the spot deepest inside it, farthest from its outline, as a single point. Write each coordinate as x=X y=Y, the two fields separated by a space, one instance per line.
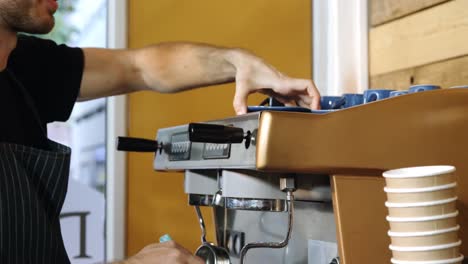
x=306 y=187
x=250 y=206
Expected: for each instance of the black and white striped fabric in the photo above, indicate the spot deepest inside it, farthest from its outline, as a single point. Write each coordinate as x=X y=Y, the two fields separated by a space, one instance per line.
x=33 y=185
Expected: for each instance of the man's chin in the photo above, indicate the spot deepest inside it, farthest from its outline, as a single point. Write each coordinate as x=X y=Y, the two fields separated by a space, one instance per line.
x=42 y=28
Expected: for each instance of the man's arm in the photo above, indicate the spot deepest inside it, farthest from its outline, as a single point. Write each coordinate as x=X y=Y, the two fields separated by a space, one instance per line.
x=174 y=67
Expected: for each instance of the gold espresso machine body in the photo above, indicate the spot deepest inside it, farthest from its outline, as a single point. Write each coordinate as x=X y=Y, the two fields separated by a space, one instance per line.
x=351 y=147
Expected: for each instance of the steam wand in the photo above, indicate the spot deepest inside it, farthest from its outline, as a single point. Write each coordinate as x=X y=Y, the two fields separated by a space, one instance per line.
x=287 y=185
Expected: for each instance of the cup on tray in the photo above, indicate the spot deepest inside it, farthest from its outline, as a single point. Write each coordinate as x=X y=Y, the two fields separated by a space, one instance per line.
x=349 y=100
x=328 y=102
x=398 y=93
x=423 y=87
x=372 y=95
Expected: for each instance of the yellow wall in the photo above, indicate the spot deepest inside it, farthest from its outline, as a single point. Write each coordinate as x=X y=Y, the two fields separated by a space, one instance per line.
x=277 y=30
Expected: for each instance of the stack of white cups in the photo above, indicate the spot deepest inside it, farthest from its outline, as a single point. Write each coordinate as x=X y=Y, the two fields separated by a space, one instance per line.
x=422 y=214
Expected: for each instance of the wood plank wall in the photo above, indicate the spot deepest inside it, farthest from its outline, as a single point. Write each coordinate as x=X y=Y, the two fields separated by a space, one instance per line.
x=383 y=11
x=418 y=41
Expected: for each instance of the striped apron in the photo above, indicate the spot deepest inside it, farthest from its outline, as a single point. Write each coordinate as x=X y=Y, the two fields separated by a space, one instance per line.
x=33 y=185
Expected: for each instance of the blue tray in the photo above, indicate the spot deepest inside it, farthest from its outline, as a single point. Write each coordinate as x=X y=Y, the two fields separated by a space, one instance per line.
x=278 y=108
x=325 y=111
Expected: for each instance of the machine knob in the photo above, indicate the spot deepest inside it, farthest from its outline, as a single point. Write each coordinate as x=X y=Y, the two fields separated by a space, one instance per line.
x=212 y=133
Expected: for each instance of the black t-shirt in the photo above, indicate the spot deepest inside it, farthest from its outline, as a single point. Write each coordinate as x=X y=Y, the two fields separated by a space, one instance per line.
x=52 y=75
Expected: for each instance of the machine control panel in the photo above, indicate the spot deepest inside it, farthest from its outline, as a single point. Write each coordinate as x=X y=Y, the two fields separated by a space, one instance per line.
x=209 y=145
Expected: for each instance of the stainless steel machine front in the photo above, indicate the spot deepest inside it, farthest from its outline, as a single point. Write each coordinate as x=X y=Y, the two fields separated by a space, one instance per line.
x=252 y=209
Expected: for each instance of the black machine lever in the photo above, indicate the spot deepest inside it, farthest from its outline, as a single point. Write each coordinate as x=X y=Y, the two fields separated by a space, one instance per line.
x=137 y=144
x=212 y=133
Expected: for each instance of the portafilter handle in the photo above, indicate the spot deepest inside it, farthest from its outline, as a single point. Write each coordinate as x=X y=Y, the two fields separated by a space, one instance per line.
x=213 y=133
x=138 y=144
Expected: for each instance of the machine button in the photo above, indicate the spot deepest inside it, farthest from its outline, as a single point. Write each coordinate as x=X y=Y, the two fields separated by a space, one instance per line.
x=216 y=151
x=180 y=147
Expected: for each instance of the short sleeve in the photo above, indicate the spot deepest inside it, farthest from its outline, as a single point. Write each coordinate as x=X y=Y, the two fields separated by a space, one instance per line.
x=51 y=73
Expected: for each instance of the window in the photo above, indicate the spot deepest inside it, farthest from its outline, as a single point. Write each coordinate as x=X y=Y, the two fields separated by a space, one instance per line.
x=83 y=23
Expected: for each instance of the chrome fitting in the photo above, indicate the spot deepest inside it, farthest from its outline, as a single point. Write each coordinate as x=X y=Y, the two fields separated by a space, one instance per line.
x=287 y=184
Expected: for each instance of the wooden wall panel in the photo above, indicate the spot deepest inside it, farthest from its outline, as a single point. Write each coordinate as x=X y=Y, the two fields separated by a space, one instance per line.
x=277 y=30
x=446 y=73
x=434 y=34
x=383 y=11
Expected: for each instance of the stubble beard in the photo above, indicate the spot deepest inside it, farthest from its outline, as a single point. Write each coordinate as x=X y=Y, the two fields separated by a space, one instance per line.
x=17 y=18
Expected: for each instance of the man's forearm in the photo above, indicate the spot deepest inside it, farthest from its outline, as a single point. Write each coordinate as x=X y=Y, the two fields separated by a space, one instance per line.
x=174 y=67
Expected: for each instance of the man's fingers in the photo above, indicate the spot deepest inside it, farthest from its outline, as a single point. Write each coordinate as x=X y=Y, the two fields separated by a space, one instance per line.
x=171 y=244
x=314 y=93
x=315 y=103
x=282 y=99
x=197 y=260
x=301 y=91
x=166 y=252
x=304 y=90
x=240 y=100
x=167 y=244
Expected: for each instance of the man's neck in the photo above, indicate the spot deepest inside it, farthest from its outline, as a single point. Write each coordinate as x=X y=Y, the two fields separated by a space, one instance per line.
x=7 y=44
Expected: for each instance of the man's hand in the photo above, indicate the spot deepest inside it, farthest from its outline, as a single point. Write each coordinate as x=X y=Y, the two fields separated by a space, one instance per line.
x=163 y=253
x=254 y=75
